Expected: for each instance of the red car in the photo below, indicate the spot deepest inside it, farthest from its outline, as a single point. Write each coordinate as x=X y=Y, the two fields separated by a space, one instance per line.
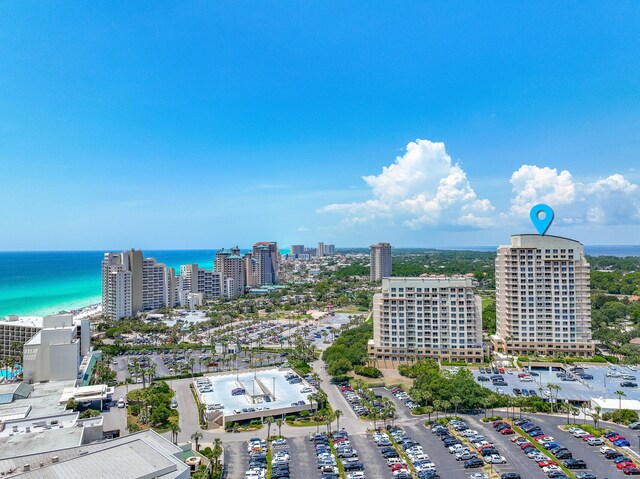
x=514 y=439
x=507 y=431
x=497 y=423
x=625 y=465
x=631 y=471
x=526 y=445
x=617 y=437
x=396 y=390
x=587 y=437
x=547 y=463
x=395 y=467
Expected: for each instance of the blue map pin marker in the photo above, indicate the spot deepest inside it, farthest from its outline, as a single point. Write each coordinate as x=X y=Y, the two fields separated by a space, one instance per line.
x=541 y=216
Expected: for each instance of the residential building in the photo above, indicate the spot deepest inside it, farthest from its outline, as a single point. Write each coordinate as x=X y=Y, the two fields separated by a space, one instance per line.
x=250 y=270
x=380 y=263
x=296 y=249
x=435 y=317
x=15 y=331
x=131 y=283
x=329 y=249
x=231 y=266
x=267 y=256
x=320 y=250
x=543 y=303
x=199 y=280
x=55 y=352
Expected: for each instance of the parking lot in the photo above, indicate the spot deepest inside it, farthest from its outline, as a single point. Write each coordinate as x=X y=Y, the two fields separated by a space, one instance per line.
x=577 y=390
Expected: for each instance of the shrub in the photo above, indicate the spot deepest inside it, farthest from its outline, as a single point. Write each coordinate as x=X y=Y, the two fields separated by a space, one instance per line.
x=368 y=371
x=621 y=416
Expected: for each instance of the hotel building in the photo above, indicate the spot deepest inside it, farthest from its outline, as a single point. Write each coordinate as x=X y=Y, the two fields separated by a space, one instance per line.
x=267 y=259
x=380 y=261
x=15 y=331
x=435 y=317
x=543 y=301
x=230 y=265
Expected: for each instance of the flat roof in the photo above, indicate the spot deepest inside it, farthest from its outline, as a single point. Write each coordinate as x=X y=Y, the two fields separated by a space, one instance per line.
x=23 y=321
x=142 y=454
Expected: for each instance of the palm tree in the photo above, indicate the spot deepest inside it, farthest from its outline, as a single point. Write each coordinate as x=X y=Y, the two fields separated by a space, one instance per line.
x=446 y=405
x=596 y=416
x=429 y=410
x=217 y=452
x=337 y=413
x=175 y=429
x=195 y=437
x=620 y=395
x=279 y=424
x=455 y=400
x=269 y=420
x=311 y=399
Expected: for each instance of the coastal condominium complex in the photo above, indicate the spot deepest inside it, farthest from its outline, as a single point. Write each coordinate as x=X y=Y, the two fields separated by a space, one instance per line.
x=267 y=258
x=435 y=317
x=131 y=283
x=231 y=266
x=320 y=250
x=196 y=280
x=543 y=301
x=14 y=332
x=380 y=261
x=329 y=249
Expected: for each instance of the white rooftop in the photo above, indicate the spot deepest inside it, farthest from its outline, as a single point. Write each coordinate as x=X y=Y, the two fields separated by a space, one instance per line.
x=25 y=321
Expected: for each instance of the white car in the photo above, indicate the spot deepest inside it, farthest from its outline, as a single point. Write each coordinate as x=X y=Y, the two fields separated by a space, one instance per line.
x=580 y=433
x=478 y=475
x=356 y=475
x=121 y=403
x=456 y=448
x=548 y=469
x=469 y=433
x=604 y=449
x=279 y=442
x=495 y=459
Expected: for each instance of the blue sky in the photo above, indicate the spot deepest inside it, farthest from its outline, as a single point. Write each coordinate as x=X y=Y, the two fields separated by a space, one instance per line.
x=204 y=124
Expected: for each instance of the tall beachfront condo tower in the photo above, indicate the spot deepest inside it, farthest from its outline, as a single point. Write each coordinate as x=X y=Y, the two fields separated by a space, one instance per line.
x=543 y=303
x=380 y=261
x=435 y=317
x=232 y=267
x=268 y=258
x=297 y=250
x=131 y=283
x=320 y=250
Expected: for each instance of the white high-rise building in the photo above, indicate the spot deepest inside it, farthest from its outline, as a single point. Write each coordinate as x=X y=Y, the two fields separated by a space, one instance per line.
x=198 y=280
x=435 y=317
x=380 y=260
x=131 y=284
x=543 y=303
x=231 y=266
x=320 y=250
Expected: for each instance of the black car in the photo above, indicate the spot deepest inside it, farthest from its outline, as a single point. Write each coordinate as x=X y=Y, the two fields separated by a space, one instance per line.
x=451 y=442
x=353 y=466
x=558 y=475
x=510 y=475
x=389 y=454
x=428 y=475
x=563 y=454
x=487 y=451
x=628 y=384
x=612 y=454
x=575 y=464
x=473 y=463
x=586 y=475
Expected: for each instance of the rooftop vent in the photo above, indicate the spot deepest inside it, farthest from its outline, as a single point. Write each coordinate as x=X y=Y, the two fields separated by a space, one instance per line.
x=55 y=459
x=26 y=467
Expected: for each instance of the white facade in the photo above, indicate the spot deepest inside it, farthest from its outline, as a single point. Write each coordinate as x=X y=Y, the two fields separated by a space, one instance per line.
x=380 y=261
x=15 y=331
x=55 y=352
x=432 y=317
x=232 y=268
x=543 y=301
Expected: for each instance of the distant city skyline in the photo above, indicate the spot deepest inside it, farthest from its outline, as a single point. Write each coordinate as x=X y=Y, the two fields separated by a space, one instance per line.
x=181 y=126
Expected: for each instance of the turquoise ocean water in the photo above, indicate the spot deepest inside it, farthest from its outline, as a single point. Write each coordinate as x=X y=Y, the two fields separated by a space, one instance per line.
x=47 y=282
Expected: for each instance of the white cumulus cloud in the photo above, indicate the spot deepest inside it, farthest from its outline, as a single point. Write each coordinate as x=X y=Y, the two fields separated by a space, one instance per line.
x=610 y=200
x=422 y=187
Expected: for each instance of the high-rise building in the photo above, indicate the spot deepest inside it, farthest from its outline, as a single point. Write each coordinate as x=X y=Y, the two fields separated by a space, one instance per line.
x=267 y=256
x=543 y=301
x=197 y=280
x=131 y=283
x=250 y=270
x=380 y=261
x=14 y=332
x=329 y=249
x=434 y=317
x=231 y=266
x=296 y=249
x=320 y=250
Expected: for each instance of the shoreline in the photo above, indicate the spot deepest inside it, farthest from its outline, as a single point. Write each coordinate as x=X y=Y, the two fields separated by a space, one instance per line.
x=86 y=310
